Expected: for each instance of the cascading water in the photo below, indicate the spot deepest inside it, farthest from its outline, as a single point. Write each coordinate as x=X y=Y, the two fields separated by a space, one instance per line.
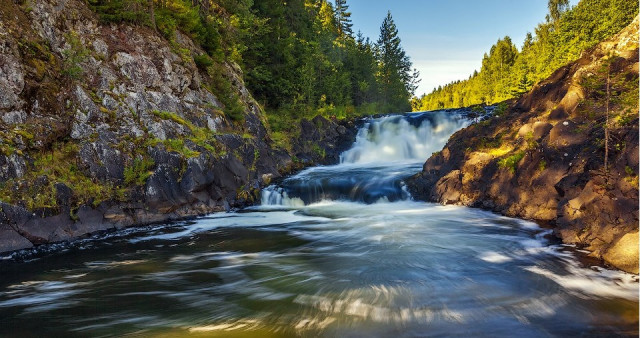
x=327 y=254
x=408 y=138
x=386 y=151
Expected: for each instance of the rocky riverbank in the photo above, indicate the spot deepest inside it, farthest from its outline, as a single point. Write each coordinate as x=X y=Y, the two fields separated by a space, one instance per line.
x=542 y=158
x=106 y=126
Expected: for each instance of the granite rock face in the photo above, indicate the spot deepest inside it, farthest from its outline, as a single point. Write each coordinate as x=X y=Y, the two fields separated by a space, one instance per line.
x=559 y=178
x=128 y=99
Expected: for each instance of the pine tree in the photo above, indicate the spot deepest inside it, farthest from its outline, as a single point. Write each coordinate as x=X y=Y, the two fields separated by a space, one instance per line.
x=343 y=18
x=397 y=79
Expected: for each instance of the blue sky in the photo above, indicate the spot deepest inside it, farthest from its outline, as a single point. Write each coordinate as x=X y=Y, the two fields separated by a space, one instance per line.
x=446 y=39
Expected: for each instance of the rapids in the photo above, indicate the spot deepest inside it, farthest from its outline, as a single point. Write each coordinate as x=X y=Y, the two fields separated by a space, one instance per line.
x=333 y=251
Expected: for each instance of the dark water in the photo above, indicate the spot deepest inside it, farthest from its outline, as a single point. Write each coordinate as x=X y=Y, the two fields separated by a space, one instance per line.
x=355 y=258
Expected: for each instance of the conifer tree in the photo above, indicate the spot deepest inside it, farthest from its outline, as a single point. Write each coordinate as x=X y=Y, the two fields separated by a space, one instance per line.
x=343 y=18
x=397 y=79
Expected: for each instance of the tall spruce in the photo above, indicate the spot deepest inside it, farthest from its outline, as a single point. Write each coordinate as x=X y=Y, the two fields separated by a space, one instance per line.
x=343 y=18
x=397 y=79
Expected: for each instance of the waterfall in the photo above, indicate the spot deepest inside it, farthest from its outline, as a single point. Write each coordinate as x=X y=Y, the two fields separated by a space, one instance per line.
x=386 y=151
x=411 y=137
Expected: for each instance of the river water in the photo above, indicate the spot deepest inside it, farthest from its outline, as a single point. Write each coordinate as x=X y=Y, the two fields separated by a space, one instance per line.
x=338 y=251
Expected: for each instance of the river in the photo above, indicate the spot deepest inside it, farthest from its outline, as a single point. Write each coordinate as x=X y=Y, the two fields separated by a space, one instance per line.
x=338 y=251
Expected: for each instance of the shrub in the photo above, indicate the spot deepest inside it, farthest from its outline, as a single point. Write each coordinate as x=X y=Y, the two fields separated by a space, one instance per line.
x=512 y=161
x=138 y=172
x=203 y=61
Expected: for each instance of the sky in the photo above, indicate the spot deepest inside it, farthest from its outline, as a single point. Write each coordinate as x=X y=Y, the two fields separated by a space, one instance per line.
x=446 y=39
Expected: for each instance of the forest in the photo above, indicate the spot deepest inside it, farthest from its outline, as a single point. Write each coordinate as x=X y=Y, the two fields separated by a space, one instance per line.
x=508 y=71
x=299 y=58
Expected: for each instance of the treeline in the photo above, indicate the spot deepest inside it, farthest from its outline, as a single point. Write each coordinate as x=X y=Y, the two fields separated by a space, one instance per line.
x=509 y=72
x=299 y=57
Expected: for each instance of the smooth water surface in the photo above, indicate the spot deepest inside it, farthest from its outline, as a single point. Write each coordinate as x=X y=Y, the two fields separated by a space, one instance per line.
x=338 y=251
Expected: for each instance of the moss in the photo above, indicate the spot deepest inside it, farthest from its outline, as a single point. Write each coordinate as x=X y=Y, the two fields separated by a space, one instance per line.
x=511 y=162
x=175 y=145
x=319 y=150
x=165 y=115
x=40 y=68
x=57 y=165
x=542 y=165
x=281 y=140
x=632 y=178
x=112 y=115
x=22 y=132
x=530 y=141
x=200 y=136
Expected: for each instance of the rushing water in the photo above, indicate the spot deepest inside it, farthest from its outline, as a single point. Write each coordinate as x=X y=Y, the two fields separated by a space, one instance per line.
x=333 y=251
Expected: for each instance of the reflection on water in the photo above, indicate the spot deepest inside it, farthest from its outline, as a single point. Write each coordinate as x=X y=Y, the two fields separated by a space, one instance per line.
x=331 y=268
x=327 y=254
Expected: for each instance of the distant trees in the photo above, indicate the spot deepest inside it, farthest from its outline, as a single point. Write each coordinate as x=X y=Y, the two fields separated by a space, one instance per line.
x=308 y=60
x=298 y=56
x=508 y=72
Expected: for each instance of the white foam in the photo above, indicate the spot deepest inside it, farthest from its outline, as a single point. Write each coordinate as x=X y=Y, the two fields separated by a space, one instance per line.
x=593 y=282
x=494 y=257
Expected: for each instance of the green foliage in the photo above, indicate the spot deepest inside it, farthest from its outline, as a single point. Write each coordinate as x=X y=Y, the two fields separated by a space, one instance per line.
x=398 y=81
x=611 y=102
x=222 y=87
x=133 y=11
x=629 y=170
x=165 y=115
x=319 y=150
x=200 y=136
x=138 y=172
x=632 y=178
x=203 y=61
x=511 y=162
x=314 y=64
x=508 y=72
x=531 y=142
x=500 y=109
x=542 y=165
x=300 y=55
x=175 y=145
x=73 y=56
x=57 y=165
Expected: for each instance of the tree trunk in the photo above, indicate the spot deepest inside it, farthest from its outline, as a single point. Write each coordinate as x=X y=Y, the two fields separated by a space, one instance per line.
x=606 y=127
x=152 y=15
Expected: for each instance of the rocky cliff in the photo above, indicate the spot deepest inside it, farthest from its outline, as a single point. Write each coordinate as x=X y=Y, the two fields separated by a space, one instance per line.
x=543 y=157
x=106 y=126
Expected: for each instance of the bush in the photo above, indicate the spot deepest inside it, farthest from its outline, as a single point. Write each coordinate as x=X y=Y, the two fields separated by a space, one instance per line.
x=138 y=172
x=203 y=61
x=511 y=162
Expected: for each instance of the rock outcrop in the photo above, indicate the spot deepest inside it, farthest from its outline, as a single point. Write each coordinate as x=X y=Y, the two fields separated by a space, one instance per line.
x=105 y=126
x=543 y=157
